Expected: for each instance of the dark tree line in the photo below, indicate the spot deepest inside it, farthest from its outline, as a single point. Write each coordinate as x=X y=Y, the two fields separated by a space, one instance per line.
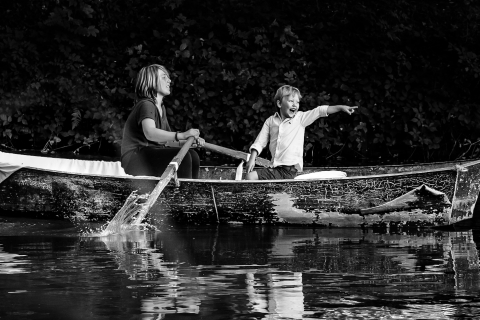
x=412 y=66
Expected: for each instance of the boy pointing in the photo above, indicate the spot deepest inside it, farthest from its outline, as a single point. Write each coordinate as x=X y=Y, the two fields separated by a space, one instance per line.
x=285 y=131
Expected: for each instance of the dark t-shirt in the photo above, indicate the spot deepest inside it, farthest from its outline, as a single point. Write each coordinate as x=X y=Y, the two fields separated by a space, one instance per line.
x=133 y=137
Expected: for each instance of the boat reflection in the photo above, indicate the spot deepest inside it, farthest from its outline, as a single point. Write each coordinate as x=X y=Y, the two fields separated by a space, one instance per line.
x=277 y=273
x=11 y=263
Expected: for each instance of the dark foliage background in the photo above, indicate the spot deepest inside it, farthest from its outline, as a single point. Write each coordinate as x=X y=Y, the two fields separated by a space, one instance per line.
x=67 y=70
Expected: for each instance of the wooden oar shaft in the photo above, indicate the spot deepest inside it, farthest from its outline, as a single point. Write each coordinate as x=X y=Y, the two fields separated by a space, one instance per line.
x=236 y=154
x=164 y=180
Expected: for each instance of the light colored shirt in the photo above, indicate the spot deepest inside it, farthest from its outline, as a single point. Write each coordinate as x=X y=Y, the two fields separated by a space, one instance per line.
x=287 y=137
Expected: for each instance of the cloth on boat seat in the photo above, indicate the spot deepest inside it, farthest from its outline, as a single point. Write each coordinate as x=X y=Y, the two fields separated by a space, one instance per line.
x=323 y=175
x=6 y=169
x=10 y=162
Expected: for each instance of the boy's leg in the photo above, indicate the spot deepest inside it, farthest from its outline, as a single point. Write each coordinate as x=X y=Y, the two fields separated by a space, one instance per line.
x=251 y=176
x=280 y=172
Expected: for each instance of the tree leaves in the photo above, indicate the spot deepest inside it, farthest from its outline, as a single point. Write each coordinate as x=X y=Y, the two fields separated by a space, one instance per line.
x=412 y=67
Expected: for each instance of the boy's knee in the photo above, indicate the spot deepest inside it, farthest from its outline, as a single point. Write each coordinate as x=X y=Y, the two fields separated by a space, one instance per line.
x=251 y=176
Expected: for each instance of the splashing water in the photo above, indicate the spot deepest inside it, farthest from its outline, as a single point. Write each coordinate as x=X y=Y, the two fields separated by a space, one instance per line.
x=131 y=214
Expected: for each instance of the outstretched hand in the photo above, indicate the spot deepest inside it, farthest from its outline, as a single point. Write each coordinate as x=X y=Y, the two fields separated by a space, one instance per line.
x=344 y=108
x=348 y=109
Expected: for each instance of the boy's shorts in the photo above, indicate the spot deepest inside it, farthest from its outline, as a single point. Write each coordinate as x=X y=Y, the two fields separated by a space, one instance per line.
x=280 y=172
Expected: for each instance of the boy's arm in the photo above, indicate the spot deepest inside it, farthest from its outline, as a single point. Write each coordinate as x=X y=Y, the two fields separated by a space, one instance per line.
x=251 y=161
x=346 y=109
x=262 y=138
x=260 y=143
x=308 y=117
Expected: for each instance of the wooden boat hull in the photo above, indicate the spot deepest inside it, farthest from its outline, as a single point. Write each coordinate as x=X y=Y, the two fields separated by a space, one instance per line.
x=435 y=195
x=343 y=202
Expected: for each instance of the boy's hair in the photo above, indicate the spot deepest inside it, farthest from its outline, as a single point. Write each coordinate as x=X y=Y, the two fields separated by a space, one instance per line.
x=284 y=91
x=147 y=79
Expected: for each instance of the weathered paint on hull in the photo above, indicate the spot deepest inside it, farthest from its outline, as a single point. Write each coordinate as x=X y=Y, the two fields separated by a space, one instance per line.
x=394 y=199
x=467 y=189
x=322 y=203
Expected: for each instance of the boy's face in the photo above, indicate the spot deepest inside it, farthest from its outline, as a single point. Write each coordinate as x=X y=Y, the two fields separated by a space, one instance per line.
x=289 y=106
x=163 y=84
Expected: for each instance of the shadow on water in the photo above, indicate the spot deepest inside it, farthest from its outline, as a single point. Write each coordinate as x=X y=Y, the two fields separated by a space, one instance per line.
x=48 y=271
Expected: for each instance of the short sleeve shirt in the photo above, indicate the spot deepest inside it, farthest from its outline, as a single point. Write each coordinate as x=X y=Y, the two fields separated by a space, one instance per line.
x=133 y=136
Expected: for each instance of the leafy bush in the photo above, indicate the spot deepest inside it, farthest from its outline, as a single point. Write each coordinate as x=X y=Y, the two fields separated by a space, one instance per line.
x=412 y=67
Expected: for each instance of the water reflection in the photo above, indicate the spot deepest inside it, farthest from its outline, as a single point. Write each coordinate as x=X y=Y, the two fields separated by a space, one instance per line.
x=11 y=263
x=246 y=273
x=297 y=273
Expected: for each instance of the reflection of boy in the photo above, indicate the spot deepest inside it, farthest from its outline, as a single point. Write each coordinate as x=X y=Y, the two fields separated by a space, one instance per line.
x=285 y=132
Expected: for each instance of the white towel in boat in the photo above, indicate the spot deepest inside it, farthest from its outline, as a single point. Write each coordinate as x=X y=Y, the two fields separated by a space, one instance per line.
x=6 y=169
x=10 y=162
x=323 y=175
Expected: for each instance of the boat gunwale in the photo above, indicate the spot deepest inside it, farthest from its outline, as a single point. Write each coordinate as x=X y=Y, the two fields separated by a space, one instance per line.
x=449 y=167
x=385 y=175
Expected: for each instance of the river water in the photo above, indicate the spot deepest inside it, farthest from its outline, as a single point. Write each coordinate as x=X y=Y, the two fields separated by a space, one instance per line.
x=53 y=270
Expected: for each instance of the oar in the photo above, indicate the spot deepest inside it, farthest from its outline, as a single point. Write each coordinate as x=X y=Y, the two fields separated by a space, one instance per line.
x=236 y=154
x=128 y=213
x=164 y=180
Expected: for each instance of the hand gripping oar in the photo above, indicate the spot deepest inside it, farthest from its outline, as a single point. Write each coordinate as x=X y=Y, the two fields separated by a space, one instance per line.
x=134 y=212
x=236 y=154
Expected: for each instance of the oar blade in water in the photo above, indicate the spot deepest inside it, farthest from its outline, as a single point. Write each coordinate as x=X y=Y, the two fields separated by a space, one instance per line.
x=133 y=211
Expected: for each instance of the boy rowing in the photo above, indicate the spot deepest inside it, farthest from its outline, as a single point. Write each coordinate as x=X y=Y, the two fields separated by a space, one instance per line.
x=285 y=132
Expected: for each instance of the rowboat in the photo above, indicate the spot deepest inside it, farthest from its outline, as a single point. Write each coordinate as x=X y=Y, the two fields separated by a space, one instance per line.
x=392 y=196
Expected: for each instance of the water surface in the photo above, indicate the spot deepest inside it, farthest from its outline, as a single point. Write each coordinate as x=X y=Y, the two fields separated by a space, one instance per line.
x=50 y=270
